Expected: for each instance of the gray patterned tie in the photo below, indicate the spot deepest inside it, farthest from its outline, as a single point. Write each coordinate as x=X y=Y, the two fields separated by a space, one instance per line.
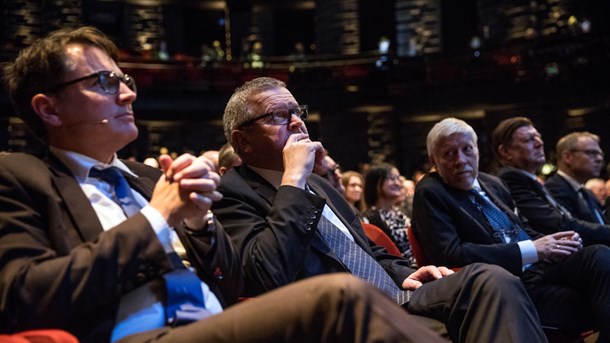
x=359 y=262
x=499 y=221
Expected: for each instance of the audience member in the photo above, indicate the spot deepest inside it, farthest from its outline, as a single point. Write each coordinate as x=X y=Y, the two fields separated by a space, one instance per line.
x=353 y=183
x=579 y=158
x=227 y=158
x=519 y=147
x=382 y=190
x=607 y=201
x=408 y=190
x=290 y=224
x=463 y=216
x=74 y=259
x=597 y=186
x=331 y=171
x=151 y=161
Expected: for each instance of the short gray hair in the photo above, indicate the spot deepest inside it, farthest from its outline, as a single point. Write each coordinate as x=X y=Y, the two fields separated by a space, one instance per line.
x=238 y=108
x=446 y=128
x=570 y=142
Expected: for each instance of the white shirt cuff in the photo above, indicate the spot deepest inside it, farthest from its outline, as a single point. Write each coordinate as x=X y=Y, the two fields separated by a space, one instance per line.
x=529 y=254
x=160 y=226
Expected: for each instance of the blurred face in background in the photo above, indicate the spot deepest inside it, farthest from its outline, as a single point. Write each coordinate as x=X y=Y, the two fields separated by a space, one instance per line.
x=353 y=190
x=391 y=187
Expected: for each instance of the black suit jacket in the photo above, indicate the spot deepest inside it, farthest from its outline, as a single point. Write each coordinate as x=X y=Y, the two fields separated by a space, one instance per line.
x=532 y=203
x=60 y=269
x=564 y=193
x=275 y=230
x=453 y=232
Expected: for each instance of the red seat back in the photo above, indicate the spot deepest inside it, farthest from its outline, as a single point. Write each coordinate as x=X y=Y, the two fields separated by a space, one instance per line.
x=375 y=234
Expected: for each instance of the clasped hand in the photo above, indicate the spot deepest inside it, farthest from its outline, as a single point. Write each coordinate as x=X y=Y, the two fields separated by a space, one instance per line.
x=186 y=190
x=557 y=246
x=300 y=154
x=423 y=275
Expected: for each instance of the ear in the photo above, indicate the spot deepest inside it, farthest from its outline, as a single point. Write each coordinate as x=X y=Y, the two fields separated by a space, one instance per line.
x=44 y=106
x=502 y=151
x=566 y=156
x=432 y=161
x=241 y=143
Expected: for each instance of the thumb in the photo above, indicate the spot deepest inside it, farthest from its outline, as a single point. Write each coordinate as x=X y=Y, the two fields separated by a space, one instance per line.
x=165 y=161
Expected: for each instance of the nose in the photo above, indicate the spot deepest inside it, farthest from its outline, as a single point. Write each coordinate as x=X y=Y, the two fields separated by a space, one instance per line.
x=296 y=123
x=126 y=94
x=460 y=158
x=539 y=141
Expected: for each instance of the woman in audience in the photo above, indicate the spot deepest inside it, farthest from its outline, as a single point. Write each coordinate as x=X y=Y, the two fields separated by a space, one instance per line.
x=353 y=182
x=382 y=190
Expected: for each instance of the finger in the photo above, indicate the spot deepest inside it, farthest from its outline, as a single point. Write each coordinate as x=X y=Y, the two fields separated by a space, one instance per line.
x=562 y=234
x=445 y=271
x=411 y=284
x=200 y=167
x=181 y=163
x=429 y=272
x=164 y=162
x=200 y=185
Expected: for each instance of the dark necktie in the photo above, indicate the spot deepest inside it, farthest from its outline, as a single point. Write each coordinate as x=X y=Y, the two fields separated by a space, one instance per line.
x=185 y=302
x=562 y=210
x=124 y=196
x=359 y=262
x=591 y=206
x=499 y=221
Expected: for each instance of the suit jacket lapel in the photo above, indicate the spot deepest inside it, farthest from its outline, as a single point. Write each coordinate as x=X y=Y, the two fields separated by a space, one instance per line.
x=350 y=226
x=79 y=211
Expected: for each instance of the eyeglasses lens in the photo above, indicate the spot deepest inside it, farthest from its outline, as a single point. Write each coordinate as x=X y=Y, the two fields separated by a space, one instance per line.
x=110 y=82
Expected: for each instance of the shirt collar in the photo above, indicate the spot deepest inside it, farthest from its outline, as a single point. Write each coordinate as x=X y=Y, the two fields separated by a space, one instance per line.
x=80 y=164
x=570 y=180
x=274 y=177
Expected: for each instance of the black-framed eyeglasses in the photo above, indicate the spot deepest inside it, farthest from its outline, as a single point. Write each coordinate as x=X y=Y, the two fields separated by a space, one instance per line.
x=281 y=117
x=108 y=80
x=590 y=152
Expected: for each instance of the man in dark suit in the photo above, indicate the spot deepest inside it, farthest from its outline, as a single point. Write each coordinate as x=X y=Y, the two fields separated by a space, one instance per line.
x=74 y=257
x=462 y=216
x=290 y=224
x=519 y=148
x=579 y=158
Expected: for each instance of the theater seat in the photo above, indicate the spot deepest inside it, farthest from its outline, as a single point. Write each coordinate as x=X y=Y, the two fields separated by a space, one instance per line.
x=375 y=234
x=39 y=336
x=416 y=248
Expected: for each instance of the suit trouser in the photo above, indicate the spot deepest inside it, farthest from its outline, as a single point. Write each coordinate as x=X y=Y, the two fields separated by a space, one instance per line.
x=331 y=308
x=574 y=294
x=480 y=303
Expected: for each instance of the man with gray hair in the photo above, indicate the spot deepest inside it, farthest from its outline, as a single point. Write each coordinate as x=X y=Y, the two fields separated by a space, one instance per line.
x=462 y=216
x=579 y=158
x=290 y=224
x=519 y=148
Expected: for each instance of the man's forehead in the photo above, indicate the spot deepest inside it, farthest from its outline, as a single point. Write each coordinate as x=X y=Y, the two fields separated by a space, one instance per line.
x=457 y=138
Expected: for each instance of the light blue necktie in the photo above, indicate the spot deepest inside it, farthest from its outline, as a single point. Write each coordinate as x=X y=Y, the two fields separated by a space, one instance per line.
x=499 y=221
x=114 y=177
x=184 y=296
x=359 y=262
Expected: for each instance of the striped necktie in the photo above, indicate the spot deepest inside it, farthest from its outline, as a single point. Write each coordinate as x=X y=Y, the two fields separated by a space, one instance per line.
x=359 y=262
x=505 y=228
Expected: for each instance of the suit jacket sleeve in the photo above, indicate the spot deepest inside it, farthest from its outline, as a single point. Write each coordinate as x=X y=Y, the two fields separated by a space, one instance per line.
x=453 y=233
x=58 y=267
x=544 y=217
x=275 y=232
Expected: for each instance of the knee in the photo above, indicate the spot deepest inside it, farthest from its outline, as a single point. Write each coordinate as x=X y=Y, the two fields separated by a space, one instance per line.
x=345 y=286
x=493 y=277
x=598 y=256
